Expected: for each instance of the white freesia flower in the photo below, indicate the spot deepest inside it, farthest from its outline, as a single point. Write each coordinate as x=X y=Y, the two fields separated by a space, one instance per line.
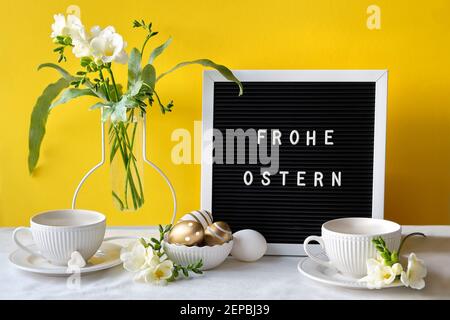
x=378 y=274
x=135 y=256
x=416 y=271
x=68 y=27
x=59 y=27
x=156 y=270
x=397 y=269
x=147 y=265
x=108 y=46
x=95 y=31
x=81 y=47
x=160 y=273
x=105 y=45
x=72 y=27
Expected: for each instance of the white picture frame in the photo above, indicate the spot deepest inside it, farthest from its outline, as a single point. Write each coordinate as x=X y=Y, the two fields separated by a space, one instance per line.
x=377 y=76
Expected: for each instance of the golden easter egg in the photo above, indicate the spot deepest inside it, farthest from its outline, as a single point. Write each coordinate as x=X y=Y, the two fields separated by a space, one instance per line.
x=203 y=217
x=188 y=233
x=218 y=233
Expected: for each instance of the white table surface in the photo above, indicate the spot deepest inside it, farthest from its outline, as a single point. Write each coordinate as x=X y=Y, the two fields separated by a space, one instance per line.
x=269 y=278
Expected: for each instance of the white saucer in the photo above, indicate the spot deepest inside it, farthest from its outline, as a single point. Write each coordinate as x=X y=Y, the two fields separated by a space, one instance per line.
x=107 y=256
x=331 y=276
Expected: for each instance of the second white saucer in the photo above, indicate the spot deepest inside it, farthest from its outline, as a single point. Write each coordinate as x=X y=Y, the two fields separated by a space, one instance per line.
x=331 y=276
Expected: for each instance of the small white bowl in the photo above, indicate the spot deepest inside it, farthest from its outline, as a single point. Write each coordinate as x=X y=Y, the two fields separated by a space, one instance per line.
x=212 y=256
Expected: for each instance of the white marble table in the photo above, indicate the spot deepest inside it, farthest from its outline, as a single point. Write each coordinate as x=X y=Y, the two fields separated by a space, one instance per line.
x=269 y=278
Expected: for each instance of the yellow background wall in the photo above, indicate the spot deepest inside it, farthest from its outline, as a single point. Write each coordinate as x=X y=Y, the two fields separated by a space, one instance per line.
x=413 y=44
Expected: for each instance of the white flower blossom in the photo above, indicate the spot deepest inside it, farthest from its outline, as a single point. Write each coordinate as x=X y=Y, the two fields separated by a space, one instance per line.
x=81 y=47
x=160 y=273
x=72 y=27
x=156 y=270
x=135 y=256
x=378 y=274
x=104 y=45
x=416 y=271
x=147 y=265
x=397 y=269
x=95 y=31
x=59 y=26
x=66 y=27
x=108 y=46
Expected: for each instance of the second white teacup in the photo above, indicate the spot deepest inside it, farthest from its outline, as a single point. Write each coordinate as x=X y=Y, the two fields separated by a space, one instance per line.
x=348 y=242
x=57 y=234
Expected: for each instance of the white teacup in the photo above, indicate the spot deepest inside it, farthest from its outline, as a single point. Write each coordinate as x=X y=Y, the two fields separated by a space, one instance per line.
x=348 y=242
x=57 y=234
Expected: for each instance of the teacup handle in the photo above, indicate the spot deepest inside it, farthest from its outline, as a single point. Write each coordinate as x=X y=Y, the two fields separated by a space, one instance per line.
x=20 y=245
x=314 y=258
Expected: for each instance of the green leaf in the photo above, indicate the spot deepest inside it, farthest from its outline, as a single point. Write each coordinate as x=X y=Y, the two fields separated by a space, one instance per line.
x=120 y=203
x=135 y=88
x=101 y=93
x=119 y=88
x=134 y=67
x=143 y=242
x=70 y=94
x=64 y=73
x=119 y=111
x=394 y=257
x=157 y=51
x=224 y=71
x=149 y=76
x=39 y=118
x=197 y=270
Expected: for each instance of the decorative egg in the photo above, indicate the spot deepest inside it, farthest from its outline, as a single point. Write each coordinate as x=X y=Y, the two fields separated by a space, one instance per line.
x=249 y=245
x=203 y=217
x=218 y=233
x=189 y=233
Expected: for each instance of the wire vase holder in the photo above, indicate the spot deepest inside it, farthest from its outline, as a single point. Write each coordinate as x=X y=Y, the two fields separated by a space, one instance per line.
x=144 y=156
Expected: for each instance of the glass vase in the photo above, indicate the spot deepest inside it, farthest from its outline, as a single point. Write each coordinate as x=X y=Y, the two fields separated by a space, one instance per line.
x=126 y=162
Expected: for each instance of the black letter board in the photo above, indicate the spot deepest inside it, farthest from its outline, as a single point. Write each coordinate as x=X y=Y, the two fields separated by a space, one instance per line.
x=331 y=126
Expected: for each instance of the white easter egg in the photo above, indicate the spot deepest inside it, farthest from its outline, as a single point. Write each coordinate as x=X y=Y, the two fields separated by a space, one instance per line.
x=249 y=245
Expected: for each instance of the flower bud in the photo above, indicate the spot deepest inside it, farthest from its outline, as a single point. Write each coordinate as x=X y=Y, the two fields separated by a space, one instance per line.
x=67 y=41
x=397 y=269
x=85 y=61
x=394 y=256
x=98 y=62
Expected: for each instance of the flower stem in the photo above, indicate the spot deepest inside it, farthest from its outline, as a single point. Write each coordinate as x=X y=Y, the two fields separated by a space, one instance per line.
x=125 y=142
x=143 y=46
x=105 y=85
x=120 y=140
x=114 y=82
